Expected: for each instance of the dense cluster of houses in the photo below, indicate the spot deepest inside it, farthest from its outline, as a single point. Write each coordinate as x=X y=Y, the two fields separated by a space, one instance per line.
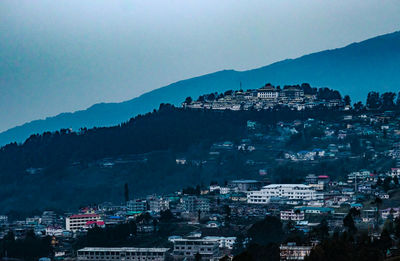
x=265 y=97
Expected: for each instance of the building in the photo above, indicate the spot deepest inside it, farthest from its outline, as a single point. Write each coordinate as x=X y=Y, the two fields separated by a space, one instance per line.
x=157 y=204
x=288 y=191
x=3 y=219
x=121 y=253
x=268 y=92
x=187 y=248
x=243 y=185
x=194 y=204
x=76 y=222
x=292 y=215
x=48 y=218
x=224 y=242
x=291 y=251
x=292 y=94
x=137 y=205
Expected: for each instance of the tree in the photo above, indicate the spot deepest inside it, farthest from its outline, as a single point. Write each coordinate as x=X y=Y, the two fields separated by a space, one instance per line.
x=188 y=100
x=398 y=100
x=126 y=192
x=358 y=106
x=378 y=203
x=387 y=99
x=396 y=180
x=321 y=232
x=373 y=100
x=348 y=222
x=347 y=100
x=166 y=215
x=270 y=226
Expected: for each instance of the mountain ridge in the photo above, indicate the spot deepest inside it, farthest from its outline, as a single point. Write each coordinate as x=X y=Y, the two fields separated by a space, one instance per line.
x=354 y=69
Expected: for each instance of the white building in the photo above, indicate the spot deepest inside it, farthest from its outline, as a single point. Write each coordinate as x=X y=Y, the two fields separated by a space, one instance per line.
x=287 y=191
x=121 y=253
x=137 y=205
x=268 y=92
x=76 y=222
x=224 y=242
x=292 y=215
x=157 y=204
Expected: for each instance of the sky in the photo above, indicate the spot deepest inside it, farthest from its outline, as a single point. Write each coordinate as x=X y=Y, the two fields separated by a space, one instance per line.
x=66 y=55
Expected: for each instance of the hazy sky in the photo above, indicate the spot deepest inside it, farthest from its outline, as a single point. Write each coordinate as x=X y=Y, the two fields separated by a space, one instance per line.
x=58 y=56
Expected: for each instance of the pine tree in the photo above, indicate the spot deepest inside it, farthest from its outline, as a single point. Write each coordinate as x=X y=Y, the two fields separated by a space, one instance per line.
x=126 y=192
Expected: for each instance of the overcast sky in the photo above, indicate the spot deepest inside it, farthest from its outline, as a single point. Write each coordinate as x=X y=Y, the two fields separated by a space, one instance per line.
x=59 y=56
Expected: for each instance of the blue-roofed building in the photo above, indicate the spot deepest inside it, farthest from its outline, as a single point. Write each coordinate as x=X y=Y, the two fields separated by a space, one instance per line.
x=316 y=210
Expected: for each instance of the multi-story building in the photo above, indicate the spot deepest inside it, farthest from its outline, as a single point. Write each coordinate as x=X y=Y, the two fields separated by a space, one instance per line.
x=3 y=219
x=48 y=218
x=121 y=253
x=187 y=249
x=193 y=204
x=292 y=215
x=243 y=185
x=292 y=94
x=291 y=251
x=137 y=205
x=157 y=204
x=268 y=92
x=76 y=222
x=288 y=191
x=224 y=242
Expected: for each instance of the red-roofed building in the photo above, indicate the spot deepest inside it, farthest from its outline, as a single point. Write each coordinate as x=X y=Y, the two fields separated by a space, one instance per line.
x=91 y=224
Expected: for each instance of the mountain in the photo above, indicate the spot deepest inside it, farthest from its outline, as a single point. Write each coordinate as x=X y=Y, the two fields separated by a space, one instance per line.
x=355 y=69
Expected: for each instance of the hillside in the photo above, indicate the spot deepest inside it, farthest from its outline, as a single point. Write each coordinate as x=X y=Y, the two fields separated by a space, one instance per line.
x=75 y=167
x=355 y=70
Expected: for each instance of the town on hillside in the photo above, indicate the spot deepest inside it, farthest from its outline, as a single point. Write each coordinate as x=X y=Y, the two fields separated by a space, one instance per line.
x=298 y=97
x=300 y=189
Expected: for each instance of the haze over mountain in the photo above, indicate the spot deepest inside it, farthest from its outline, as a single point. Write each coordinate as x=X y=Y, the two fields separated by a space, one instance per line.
x=355 y=70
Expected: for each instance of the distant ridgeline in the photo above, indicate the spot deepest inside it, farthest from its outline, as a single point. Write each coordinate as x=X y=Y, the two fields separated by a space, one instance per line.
x=297 y=97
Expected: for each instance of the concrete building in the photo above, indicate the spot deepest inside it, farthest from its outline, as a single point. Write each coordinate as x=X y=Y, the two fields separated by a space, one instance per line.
x=137 y=205
x=48 y=218
x=121 y=253
x=292 y=215
x=76 y=222
x=268 y=92
x=288 y=191
x=186 y=249
x=157 y=204
x=224 y=242
x=243 y=185
x=194 y=204
x=291 y=251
